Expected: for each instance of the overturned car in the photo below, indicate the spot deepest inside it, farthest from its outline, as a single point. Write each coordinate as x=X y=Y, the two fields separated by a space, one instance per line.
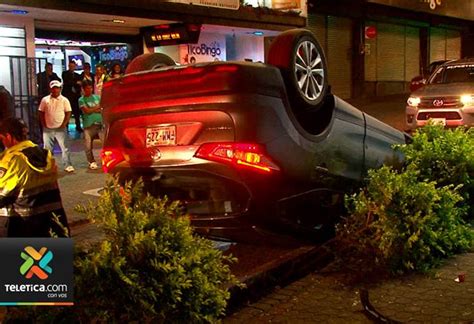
x=243 y=145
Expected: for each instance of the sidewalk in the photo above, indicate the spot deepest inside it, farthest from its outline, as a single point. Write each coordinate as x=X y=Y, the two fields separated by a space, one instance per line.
x=323 y=297
x=77 y=187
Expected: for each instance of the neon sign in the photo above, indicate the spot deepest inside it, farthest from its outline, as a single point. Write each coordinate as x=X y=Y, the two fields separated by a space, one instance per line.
x=432 y=3
x=171 y=34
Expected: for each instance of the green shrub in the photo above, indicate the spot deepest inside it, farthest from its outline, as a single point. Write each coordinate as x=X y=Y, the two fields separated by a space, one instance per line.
x=444 y=156
x=149 y=267
x=413 y=218
x=398 y=224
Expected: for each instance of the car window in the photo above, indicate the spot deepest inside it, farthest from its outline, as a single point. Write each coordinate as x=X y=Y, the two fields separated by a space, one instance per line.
x=437 y=76
x=434 y=65
x=453 y=73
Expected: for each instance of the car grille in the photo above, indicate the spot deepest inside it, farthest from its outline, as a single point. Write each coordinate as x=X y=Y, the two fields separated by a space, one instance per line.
x=440 y=102
x=448 y=115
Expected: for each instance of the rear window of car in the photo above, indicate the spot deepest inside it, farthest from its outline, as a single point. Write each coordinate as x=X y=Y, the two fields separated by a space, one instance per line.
x=453 y=73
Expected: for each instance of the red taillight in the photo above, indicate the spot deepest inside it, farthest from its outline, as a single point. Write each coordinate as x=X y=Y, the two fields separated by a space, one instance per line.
x=110 y=158
x=243 y=155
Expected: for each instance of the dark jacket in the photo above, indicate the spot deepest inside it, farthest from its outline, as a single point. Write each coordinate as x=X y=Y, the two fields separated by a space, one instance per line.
x=29 y=193
x=43 y=81
x=71 y=85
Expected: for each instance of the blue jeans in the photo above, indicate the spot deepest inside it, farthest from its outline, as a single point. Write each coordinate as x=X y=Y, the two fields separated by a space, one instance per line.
x=60 y=135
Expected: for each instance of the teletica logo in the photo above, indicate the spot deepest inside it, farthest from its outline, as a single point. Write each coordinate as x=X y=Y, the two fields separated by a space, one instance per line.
x=29 y=268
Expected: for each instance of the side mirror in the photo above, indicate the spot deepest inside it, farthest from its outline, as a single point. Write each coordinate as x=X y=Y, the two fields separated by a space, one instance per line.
x=417 y=82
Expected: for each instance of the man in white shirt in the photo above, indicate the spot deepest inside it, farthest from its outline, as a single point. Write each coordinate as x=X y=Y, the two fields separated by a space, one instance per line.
x=55 y=112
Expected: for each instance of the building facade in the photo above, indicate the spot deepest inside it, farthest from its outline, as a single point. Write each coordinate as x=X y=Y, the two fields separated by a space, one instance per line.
x=35 y=32
x=375 y=47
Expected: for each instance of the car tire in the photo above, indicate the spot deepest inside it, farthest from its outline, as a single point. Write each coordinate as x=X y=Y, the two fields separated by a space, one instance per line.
x=297 y=54
x=149 y=61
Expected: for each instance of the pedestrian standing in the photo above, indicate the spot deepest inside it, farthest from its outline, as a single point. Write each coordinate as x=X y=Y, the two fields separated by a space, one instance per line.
x=72 y=91
x=116 y=71
x=100 y=78
x=44 y=78
x=55 y=112
x=30 y=200
x=92 y=121
x=86 y=75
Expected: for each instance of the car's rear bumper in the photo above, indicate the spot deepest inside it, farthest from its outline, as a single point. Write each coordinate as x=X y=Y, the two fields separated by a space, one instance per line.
x=239 y=205
x=449 y=117
x=218 y=199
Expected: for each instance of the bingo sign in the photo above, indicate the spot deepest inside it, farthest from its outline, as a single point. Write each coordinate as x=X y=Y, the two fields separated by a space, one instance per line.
x=114 y=53
x=108 y=55
x=208 y=49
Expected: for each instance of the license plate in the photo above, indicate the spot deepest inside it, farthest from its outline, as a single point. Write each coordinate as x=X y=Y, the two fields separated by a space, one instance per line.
x=439 y=121
x=159 y=136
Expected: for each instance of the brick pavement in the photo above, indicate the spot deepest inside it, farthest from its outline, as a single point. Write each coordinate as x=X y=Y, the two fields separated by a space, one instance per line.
x=323 y=297
x=73 y=185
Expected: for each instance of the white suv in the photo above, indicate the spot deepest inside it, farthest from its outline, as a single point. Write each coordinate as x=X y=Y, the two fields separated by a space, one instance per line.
x=447 y=98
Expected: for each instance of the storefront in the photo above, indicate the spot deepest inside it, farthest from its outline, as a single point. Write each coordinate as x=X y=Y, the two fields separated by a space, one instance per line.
x=216 y=43
x=96 y=32
x=335 y=35
x=375 y=47
x=89 y=32
x=60 y=53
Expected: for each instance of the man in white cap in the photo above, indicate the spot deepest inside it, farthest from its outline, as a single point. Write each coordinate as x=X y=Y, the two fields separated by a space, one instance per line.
x=55 y=112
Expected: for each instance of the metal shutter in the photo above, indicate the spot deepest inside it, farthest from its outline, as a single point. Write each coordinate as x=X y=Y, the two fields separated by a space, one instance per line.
x=317 y=24
x=437 y=44
x=339 y=55
x=445 y=44
x=453 y=44
x=412 y=52
x=390 y=52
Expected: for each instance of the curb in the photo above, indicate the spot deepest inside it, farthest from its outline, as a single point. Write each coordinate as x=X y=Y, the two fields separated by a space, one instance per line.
x=289 y=267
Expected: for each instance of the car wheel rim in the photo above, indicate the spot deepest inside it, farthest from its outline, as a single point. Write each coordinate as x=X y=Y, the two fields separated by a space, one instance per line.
x=309 y=70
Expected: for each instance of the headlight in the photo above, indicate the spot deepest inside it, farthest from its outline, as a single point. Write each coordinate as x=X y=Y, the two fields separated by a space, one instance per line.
x=467 y=99
x=413 y=101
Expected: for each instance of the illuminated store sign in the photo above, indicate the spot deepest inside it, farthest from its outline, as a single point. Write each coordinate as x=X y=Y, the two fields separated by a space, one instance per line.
x=156 y=37
x=171 y=34
x=211 y=47
x=433 y=3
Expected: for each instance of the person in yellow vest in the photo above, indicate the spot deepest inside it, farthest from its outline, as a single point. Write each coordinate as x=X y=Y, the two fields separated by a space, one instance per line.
x=30 y=201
